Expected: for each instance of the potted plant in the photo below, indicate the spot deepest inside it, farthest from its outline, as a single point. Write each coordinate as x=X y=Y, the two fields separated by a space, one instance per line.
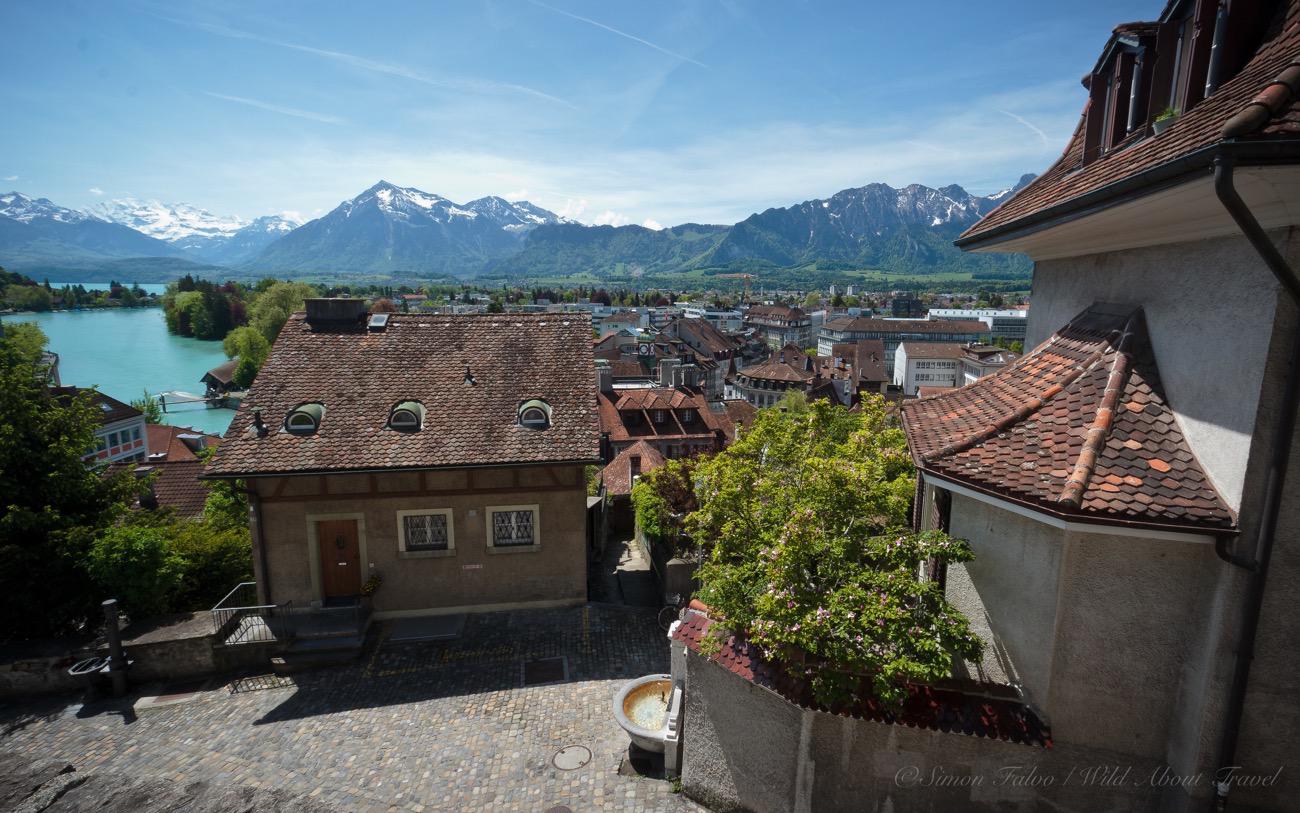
x=1164 y=120
x=369 y=587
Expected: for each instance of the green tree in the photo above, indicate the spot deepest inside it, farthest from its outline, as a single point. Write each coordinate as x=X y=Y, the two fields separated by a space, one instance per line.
x=148 y=404
x=136 y=565
x=251 y=348
x=809 y=553
x=27 y=297
x=52 y=504
x=273 y=306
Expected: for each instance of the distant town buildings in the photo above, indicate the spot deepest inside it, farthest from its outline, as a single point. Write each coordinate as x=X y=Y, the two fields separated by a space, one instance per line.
x=120 y=435
x=780 y=325
x=1004 y=323
x=893 y=332
x=726 y=320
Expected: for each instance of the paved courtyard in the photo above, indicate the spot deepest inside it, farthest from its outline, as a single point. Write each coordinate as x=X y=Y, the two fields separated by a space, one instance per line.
x=410 y=726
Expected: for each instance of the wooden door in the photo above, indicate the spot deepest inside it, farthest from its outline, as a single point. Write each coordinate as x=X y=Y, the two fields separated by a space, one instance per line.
x=340 y=558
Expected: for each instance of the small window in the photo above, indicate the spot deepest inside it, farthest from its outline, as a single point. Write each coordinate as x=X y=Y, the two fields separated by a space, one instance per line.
x=135 y=433
x=305 y=419
x=688 y=415
x=407 y=416
x=659 y=416
x=112 y=438
x=535 y=414
x=512 y=526
x=425 y=531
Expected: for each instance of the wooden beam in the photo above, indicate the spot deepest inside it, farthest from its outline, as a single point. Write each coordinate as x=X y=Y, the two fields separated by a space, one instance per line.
x=450 y=492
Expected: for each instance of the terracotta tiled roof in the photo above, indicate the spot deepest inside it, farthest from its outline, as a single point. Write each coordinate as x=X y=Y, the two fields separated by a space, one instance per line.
x=166 y=439
x=740 y=413
x=865 y=324
x=790 y=363
x=928 y=707
x=926 y=392
x=868 y=358
x=1270 y=105
x=788 y=313
x=107 y=408
x=702 y=333
x=360 y=376
x=177 y=486
x=223 y=373
x=933 y=350
x=1078 y=427
x=614 y=409
x=617 y=476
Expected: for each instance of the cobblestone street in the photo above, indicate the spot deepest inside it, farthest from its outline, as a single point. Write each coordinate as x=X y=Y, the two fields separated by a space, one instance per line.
x=410 y=726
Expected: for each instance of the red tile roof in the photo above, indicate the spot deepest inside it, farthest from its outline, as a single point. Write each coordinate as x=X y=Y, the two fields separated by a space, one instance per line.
x=177 y=486
x=928 y=707
x=107 y=408
x=867 y=357
x=790 y=363
x=360 y=375
x=1079 y=427
x=164 y=438
x=865 y=324
x=617 y=476
x=615 y=407
x=933 y=350
x=1261 y=99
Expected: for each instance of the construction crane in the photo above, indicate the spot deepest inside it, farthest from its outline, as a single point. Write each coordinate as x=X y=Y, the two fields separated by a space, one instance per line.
x=745 y=277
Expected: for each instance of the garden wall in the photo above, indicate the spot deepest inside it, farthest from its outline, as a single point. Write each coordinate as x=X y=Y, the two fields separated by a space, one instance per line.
x=747 y=748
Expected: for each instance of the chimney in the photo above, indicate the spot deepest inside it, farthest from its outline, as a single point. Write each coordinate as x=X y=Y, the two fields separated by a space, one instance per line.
x=604 y=376
x=335 y=312
x=667 y=372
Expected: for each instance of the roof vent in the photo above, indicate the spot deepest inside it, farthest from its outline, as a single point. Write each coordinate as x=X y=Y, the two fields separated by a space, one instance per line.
x=378 y=322
x=335 y=312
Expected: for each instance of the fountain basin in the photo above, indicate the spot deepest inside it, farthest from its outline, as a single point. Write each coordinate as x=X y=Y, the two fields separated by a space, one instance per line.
x=642 y=708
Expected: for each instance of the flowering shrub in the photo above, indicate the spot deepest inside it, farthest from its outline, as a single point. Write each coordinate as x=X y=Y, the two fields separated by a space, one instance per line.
x=371 y=585
x=809 y=553
x=662 y=498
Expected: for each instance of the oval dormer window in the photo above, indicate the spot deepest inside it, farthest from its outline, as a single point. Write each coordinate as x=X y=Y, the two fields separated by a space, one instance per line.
x=304 y=420
x=407 y=416
x=535 y=414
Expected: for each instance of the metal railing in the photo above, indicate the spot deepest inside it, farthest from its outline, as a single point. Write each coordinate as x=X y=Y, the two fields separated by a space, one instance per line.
x=239 y=619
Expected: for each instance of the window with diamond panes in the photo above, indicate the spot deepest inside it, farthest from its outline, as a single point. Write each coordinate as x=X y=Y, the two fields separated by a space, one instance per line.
x=426 y=532
x=512 y=528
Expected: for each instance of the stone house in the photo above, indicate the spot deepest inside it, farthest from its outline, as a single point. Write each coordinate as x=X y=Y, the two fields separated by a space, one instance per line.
x=443 y=453
x=1124 y=485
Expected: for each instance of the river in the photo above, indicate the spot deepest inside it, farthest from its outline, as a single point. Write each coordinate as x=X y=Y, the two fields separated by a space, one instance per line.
x=124 y=351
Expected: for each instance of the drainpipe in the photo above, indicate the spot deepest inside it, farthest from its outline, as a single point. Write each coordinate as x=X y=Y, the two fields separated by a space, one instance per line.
x=264 y=572
x=1214 y=74
x=1274 y=480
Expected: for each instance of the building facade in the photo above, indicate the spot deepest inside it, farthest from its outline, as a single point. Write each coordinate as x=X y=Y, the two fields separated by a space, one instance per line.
x=893 y=332
x=1007 y=324
x=927 y=364
x=781 y=325
x=451 y=471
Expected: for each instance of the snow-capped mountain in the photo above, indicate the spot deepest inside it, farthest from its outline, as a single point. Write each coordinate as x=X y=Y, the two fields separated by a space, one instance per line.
x=875 y=225
x=17 y=206
x=395 y=229
x=200 y=234
x=38 y=232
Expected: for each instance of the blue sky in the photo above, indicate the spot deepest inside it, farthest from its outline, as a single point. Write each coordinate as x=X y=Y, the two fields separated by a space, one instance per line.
x=657 y=112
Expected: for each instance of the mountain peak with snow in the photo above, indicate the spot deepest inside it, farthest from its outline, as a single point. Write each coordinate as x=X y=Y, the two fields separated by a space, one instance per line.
x=24 y=209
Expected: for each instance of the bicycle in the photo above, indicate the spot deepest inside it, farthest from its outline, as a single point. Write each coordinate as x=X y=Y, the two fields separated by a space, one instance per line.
x=674 y=605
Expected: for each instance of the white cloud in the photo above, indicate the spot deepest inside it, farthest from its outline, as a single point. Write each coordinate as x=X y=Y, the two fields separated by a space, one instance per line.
x=572 y=209
x=517 y=194
x=275 y=108
x=651 y=223
x=95 y=190
x=11 y=177
x=293 y=216
x=609 y=218
x=1032 y=128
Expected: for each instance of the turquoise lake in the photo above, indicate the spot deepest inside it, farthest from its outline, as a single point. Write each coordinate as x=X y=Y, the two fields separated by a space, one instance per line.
x=128 y=350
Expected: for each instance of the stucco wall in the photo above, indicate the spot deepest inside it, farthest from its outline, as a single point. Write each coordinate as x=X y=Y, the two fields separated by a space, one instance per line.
x=474 y=574
x=1016 y=572
x=747 y=748
x=1209 y=307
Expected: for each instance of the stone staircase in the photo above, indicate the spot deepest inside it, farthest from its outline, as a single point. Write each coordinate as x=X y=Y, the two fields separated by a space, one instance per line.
x=321 y=639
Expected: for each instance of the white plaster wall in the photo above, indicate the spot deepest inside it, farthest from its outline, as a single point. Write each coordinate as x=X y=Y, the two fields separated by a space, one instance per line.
x=1016 y=575
x=1209 y=308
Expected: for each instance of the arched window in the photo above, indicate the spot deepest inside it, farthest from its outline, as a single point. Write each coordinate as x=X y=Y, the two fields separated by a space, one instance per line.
x=535 y=414
x=408 y=416
x=305 y=419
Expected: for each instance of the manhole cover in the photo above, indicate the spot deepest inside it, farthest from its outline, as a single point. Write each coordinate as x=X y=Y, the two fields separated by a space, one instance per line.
x=545 y=670
x=571 y=757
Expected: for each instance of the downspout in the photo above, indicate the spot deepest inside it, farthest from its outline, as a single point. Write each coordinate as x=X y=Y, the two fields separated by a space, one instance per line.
x=264 y=576
x=1274 y=479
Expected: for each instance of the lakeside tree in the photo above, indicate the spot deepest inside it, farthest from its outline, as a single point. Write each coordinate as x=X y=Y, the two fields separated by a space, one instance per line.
x=808 y=552
x=251 y=348
x=149 y=406
x=273 y=306
x=52 y=505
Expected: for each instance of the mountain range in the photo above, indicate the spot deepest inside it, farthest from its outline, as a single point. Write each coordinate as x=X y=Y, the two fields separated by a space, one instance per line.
x=393 y=231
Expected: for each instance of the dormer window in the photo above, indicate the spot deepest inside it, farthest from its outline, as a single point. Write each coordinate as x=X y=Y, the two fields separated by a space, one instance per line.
x=304 y=420
x=407 y=416
x=535 y=414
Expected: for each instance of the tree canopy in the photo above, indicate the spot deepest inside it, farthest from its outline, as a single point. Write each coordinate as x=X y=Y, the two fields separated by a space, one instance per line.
x=810 y=555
